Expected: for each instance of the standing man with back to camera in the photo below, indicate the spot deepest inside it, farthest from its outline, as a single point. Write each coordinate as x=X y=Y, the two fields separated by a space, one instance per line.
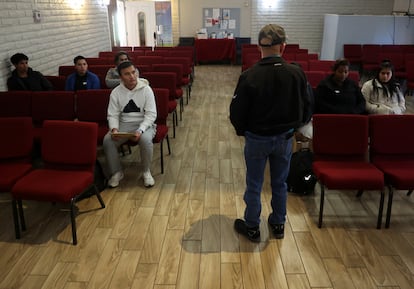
x=269 y=103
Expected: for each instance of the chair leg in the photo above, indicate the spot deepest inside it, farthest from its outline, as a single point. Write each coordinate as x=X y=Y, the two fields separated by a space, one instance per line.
x=162 y=156
x=389 y=205
x=168 y=145
x=174 y=115
x=380 y=210
x=21 y=215
x=359 y=193
x=73 y=220
x=409 y=192
x=15 y=219
x=181 y=108
x=321 y=205
x=98 y=195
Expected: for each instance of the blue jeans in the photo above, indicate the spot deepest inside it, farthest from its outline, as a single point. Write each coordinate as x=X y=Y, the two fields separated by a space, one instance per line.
x=258 y=149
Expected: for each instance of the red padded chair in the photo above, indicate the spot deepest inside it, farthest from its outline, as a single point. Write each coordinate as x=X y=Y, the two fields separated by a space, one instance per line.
x=392 y=151
x=15 y=103
x=314 y=77
x=340 y=144
x=92 y=106
x=58 y=81
x=162 y=98
x=410 y=75
x=15 y=150
x=178 y=70
x=320 y=65
x=68 y=170
x=48 y=105
x=165 y=80
x=66 y=70
x=148 y=60
x=354 y=75
x=249 y=60
x=370 y=56
x=353 y=52
x=188 y=69
x=159 y=52
x=122 y=48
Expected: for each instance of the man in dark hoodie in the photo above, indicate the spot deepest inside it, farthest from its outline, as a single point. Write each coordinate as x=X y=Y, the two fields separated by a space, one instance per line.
x=25 y=78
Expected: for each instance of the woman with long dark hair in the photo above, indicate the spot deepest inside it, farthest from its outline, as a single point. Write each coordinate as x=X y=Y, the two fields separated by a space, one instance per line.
x=383 y=94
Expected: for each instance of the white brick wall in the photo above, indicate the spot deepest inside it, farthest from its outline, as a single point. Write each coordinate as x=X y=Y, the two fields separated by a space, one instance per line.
x=62 y=34
x=303 y=19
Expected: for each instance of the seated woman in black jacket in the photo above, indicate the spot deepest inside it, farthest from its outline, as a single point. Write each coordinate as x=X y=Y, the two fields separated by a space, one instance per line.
x=338 y=94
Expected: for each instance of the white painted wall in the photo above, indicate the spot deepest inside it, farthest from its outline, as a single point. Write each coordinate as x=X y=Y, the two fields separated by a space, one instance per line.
x=62 y=34
x=304 y=19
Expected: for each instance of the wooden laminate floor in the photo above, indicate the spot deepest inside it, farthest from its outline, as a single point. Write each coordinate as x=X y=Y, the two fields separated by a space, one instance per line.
x=179 y=234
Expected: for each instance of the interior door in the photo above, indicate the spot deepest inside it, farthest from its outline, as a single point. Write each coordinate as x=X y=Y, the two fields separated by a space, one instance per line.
x=140 y=23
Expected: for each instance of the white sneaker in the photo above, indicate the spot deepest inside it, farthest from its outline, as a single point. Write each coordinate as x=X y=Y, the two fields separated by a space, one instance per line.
x=148 y=179
x=115 y=179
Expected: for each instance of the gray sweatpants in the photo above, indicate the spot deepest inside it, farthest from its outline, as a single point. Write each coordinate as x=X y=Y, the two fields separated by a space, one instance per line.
x=145 y=144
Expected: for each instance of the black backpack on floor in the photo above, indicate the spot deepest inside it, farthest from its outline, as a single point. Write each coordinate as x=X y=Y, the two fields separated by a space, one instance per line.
x=301 y=179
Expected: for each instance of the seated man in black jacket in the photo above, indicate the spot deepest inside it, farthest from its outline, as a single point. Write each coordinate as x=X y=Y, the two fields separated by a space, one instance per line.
x=25 y=78
x=338 y=94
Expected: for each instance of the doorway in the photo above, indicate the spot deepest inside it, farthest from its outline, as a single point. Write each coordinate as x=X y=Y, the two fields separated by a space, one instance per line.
x=140 y=23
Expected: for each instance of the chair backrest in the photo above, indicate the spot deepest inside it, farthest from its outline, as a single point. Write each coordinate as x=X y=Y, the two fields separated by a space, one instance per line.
x=99 y=60
x=57 y=105
x=166 y=80
x=352 y=51
x=15 y=103
x=314 y=77
x=249 y=60
x=390 y=136
x=92 y=105
x=340 y=137
x=66 y=70
x=159 y=52
x=69 y=144
x=149 y=60
x=354 y=75
x=303 y=64
x=185 y=61
x=321 y=65
x=175 y=68
x=370 y=53
x=58 y=81
x=301 y=56
x=122 y=48
x=161 y=98
x=17 y=137
x=107 y=54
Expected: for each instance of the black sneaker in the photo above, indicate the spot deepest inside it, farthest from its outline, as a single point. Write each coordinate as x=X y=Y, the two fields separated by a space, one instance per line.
x=278 y=230
x=253 y=234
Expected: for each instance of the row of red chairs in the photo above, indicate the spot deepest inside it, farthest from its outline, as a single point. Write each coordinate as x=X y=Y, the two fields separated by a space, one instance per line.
x=315 y=77
x=144 y=64
x=343 y=165
x=137 y=48
x=110 y=55
x=370 y=55
x=84 y=105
